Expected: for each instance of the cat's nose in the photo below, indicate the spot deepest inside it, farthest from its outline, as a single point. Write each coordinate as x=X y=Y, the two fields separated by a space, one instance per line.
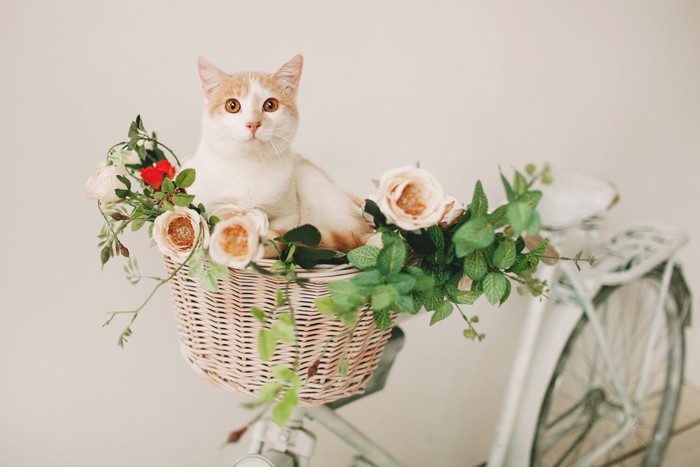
x=253 y=126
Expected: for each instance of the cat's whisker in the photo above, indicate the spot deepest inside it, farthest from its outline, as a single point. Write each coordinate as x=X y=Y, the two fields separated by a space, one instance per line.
x=275 y=147
x=282 y=137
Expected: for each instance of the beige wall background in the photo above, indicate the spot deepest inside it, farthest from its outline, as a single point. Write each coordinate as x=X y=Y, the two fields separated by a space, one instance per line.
x=462 y=86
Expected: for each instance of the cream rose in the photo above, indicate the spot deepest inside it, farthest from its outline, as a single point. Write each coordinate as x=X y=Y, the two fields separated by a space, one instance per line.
x=235 y=241
x=227 y=211
x=176 y=232
x=103 y=181
x=411 y=198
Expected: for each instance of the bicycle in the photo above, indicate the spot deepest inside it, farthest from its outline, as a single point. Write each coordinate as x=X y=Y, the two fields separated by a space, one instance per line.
x=582 y=391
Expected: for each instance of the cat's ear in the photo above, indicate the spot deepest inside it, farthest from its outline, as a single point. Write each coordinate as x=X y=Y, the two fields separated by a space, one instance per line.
x=290 y=74
x=209 y=75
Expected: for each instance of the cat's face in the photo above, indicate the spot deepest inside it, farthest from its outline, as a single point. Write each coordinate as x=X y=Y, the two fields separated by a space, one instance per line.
x=250 y=112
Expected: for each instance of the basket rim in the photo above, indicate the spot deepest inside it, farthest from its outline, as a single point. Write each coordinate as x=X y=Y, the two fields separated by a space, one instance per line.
x=320 y=271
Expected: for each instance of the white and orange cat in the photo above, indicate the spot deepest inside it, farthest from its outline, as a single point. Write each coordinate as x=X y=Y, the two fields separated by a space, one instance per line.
x=245 y=156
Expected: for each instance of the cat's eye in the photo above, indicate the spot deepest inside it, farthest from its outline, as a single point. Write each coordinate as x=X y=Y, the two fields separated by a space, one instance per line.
x=271 y=105
x=233 y=106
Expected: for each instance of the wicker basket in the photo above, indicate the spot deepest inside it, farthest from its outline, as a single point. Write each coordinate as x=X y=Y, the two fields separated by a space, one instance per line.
x=219 y=335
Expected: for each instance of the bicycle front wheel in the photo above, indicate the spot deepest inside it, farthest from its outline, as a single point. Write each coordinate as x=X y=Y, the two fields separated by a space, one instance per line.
x=583 y=410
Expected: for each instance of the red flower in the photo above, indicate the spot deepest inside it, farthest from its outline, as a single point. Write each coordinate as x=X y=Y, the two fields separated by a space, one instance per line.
x=154 y=175
x=167 y=168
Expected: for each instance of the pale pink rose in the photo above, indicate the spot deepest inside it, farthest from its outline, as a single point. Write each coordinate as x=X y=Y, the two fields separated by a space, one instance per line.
x=235 y=241
x=103 y=181
x=176 y=232
x=227 y=211
x=411 y=198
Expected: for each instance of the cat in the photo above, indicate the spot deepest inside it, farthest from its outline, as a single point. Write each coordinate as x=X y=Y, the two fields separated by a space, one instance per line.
x=245 y=157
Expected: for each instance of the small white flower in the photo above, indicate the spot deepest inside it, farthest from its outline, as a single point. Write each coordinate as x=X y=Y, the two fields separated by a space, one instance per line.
x=411 y=198
x=235 y=241
x=176 y=232
x=452 y=212
x=103 y=181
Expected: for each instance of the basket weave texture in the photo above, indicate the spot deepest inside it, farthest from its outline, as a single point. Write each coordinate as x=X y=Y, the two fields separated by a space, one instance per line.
x=219 y=335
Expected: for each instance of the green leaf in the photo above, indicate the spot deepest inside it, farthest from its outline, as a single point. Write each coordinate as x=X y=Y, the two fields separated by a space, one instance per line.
x=441 y=312
x=159 y=195
x=470 y=334
x=208 y=282
x=504 y=256
x=520 y=185
x=421 y=243
x=283 y=331
x=466 y=298
x=530 y=169
x=533 y=227
x=383 y=297
x=364 y=257
x=196 y=269
x=532 y=198
x=424 y=282
x=431 y=300
x=282 y=373
x=125 y=181
x=167 y=185
x=308 y=258
x=373 y=210
x=367 y=278
x=343 y=366
x=437 y=237
x=477 y=233
x=348 y=318
x=519 y=215
x=306 y=234
x=510 y=194
x=494 y=286
x=540 y=249
x=282 y=411
x=346 y=294
x=392 y=258
x=266 y=344
x=499 y=218
x=402 y=282
x=382 y=319
x=327 y=307
x=105 y=255
x=137 y=223
x=506 y=294
x=218 y=271
x=475 y=265
x=279 y=298
x=182 y=200
x=259 y=313
x=186 y=178
x=480 y=204
x=269 y=391
x=406 y=304
x=121 y=193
